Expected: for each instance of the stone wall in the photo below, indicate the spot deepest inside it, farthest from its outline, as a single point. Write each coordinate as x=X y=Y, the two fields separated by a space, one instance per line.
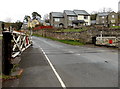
x=83 y=36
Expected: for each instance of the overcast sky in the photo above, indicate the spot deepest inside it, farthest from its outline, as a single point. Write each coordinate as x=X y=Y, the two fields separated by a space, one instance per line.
x=17 y=9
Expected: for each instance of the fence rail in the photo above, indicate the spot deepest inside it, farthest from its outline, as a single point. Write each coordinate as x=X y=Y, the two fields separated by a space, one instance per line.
x=108 y=41
x=20 y=42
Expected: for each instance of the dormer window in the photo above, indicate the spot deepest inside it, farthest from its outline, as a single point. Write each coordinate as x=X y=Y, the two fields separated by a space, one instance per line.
x=57 y=19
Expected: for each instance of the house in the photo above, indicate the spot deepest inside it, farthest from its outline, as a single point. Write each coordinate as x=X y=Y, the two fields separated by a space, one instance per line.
x=112 y=19
x=107 y=19
x=69 y=17
x=35 y=22
x=32 y=23
x=56 y=19
x=118 y=18
x=83 y=16
x=102 y=19
x=119 y=6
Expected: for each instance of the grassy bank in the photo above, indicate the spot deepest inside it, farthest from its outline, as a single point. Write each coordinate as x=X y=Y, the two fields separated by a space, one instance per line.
x=72 y=30
x=115 y=27
x=71 y=42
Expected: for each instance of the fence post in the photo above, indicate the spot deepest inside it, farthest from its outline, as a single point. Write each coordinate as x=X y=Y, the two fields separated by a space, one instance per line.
x=6 y=53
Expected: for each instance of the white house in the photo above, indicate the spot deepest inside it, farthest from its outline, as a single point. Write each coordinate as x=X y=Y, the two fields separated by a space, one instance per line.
x=83 y=15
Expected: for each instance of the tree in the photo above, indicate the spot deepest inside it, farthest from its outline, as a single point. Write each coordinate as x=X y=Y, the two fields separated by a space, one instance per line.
x=35 y=15
x=105 y=10
x=17 y=25
x=26 y=18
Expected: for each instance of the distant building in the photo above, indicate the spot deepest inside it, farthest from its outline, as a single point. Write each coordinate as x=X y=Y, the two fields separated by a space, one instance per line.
x=102 y=19
x=56 y=19
x=107 y=19
x=83 y=16
x=69 y=18
x=118 y=18
x=113 y=19
x=119 y=6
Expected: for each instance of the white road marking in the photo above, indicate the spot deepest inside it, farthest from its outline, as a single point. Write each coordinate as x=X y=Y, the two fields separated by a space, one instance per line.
x=54 y=70
x=77 y=54
x=71 y=51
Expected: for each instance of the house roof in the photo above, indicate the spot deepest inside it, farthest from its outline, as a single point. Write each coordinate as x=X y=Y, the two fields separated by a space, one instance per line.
x=81 y=12
x=57 y=14
x=103 y=14
x=69 y=12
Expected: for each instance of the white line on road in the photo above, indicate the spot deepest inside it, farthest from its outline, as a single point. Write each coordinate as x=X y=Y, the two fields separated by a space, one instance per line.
x=71 y=51
x=58 y=76
x=77 y=54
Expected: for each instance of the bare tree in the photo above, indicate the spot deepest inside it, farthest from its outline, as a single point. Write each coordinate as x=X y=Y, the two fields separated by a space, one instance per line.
x=26 y=18
x=105 y=10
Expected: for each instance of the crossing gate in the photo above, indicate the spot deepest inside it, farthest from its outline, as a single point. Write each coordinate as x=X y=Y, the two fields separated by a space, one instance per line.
x=108 y=41
x=14 y=43
x=20 y=42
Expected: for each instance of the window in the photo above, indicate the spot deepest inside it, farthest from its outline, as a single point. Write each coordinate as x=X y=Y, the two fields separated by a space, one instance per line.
x=57 y=19
x=71 y=18
x=85 y=17
x=103 y=21
x=113 y=16
x=103 y=17
x=112 y=21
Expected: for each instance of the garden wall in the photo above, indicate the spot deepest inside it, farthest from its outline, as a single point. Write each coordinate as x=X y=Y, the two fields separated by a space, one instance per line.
x=83 y=36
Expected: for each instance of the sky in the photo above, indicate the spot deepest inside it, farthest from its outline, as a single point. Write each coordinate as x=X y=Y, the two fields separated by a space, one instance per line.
x=13 y=10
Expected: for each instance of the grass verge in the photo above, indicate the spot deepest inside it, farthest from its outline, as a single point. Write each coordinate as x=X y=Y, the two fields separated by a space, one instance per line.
x=72 y=30
x=0 y=37
x=71 y=42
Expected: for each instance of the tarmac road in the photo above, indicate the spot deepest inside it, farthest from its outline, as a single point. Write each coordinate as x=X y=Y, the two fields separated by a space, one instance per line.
x=53 y=64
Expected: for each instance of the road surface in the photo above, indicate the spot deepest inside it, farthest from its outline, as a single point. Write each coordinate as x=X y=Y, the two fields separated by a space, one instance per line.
x=53 y=64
